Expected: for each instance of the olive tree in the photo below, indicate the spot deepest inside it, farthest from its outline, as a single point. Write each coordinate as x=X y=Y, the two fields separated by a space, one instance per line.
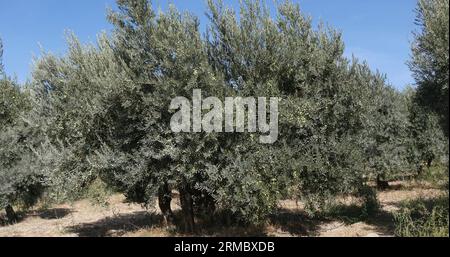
x=107 y=108
x=105 y=112
x=428 y=143
x=326 y=99
x=430 y=57
x=21 y=179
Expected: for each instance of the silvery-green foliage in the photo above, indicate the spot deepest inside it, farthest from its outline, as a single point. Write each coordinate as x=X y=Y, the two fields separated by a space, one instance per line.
x=21 y=178
x=428 y=144
x=104 y=110
x=325 y=104
x=430 y=57
x=108 y=106
x=386 y=132
x=70 y=94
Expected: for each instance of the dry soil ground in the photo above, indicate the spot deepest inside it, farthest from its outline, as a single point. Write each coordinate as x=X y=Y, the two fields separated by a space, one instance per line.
x=123 y=219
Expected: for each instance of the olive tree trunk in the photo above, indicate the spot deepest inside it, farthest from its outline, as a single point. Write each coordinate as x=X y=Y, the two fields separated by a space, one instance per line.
x=164 y=200
x=187 y=207
x=11 y=214
x=381 y=183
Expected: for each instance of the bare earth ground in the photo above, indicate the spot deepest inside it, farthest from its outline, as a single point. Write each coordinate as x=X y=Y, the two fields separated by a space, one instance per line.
x=123 y=219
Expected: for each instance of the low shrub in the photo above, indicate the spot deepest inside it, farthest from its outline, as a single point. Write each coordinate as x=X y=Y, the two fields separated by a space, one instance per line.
x=423 y=218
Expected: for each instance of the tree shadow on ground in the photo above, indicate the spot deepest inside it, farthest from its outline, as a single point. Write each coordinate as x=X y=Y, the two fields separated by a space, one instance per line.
x=220 y=224
x=117 y=225
x=5 y=222
x=48 y=214
x=52 y=214
x=297 y=223
x=230 y=231
x=381 y=220
x=121 y=225
x=294 y=222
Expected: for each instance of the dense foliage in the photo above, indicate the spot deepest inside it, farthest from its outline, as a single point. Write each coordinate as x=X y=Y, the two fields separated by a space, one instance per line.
x=430 y=57
x=21 y=178
x=428 y=112
x=101 y=113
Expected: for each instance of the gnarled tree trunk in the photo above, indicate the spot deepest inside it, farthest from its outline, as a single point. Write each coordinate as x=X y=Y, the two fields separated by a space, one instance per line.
x=381 y=183
x=11 y=214
x=164 y=200
x=430 y=162
x=187 y=206
x=420 y=170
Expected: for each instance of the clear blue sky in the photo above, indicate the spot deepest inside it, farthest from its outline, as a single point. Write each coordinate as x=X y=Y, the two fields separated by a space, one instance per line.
x=378 y=31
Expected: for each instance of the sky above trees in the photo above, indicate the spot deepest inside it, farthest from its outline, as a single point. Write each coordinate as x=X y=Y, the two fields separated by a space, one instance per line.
x=376 y=31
